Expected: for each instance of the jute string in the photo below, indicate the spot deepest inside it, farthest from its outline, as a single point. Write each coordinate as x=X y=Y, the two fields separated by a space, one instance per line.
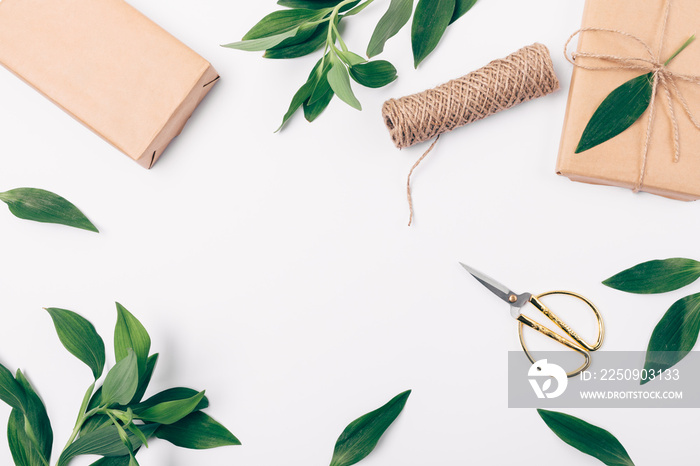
x=522 y=76
x=662 y=77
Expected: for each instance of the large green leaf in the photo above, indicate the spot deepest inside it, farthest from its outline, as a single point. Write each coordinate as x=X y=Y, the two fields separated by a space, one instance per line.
x=361 y=436
x=130 y=334
x=145 y=379
x=171 y=394
x=587 y=438
x=11 y=391
x=659 y=276
x=264 y=43
x=674 y=336
x=46 y=207
x=37 y=426
x=294 y=47
x=197 y=431
x=80 y=338
x=620 y=109
x=461 y=7
x=374 y=74
x=104 y=441
x=121 y=382
x=113 y=461
x=169 y=412
x=389 y=25
x=339 y=80
x=21 y=447
x=429 y=24
x=280 y=22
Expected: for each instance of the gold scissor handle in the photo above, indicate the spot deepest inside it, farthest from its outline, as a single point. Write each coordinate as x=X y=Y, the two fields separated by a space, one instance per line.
x=578 y=344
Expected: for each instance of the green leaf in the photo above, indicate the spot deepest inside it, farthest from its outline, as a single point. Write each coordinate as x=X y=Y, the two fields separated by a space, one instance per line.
x=197 y=431
x=113 y=461
x=674 y=336
x=461 y=7
x=658 y=276
x=292 y=48
x=620 y=109
x=145 y=379
x=121 y=382
x=11 y=391
x=129 y=333
x=587 y=438
x=313 y=110
x=105 y=441
x=170 y=412
x=350 y=58
x=46 y=207
x=282 y=21
x=339 y=80
x=80 y=338
x=171 y=394
x=361 y=436
x=374 y=74
x=389 y=25
x=264 y=43
x=32 y=436
x=429 y=24
x=303 y=93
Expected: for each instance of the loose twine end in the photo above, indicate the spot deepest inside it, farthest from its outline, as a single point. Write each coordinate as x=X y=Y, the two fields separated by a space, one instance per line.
x=408 y=181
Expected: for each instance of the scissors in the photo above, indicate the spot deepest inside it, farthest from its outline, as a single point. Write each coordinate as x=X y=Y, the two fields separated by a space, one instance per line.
x=518 y=301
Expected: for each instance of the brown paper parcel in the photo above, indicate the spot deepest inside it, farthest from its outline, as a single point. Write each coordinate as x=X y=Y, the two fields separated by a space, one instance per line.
x=107 y=65
x=618 y=162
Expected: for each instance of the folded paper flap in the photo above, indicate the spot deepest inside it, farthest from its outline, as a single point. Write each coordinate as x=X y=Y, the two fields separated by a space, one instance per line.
x=618 y=161
x=103 y=62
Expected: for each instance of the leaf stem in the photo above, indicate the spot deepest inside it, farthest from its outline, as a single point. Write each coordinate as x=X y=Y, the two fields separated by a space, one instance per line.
x=683 y=47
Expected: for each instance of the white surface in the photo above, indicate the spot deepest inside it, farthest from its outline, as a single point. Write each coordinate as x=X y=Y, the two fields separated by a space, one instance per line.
x=277 y=271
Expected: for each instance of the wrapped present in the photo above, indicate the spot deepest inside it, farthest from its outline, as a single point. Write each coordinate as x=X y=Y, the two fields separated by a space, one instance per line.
x=619 y=41
x=108 y=66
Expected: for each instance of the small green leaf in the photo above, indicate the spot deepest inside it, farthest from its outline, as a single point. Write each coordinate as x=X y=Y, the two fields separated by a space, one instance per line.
x=350 y=58
x=145 y=379
x=290 y=48
x=429 y=24
x=46 y=207
x=461 y=7
x=659 y=276
x=122 y=381
x=374 y=74
x=389 y=25
x=587 y=438
x=171 y=394
x=303 y=93
x=197 y=431
x=361 y=436
x=80 y=338
x=264 y=43
x=674 y=336
x=339 y=80
x=282 y=21
x=104 y=441
x=313 y=110
x=170 y=412
x=129 y=333
x=620 y=109
x=37 y=426
x=11 y=391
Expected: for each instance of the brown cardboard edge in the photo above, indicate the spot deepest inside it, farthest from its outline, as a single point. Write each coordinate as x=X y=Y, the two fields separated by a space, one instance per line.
x=175 y=124
x=659 y=192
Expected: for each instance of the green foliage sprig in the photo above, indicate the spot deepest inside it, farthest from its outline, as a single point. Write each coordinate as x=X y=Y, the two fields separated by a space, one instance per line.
x=587 y=438
x=45 y=207
x=113 y=421
x=309 y=25
x=677 y=332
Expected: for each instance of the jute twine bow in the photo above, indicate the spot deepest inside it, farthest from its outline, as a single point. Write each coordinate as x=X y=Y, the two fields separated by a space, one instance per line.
x=662 y=76
x=522 y=76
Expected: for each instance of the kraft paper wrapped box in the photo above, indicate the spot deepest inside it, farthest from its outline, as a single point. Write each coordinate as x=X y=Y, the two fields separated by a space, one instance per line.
x=618 y=162
x=107 y=65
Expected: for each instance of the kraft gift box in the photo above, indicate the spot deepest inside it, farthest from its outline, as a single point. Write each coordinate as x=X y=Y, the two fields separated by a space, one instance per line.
x=618 y=162
x=108 y=66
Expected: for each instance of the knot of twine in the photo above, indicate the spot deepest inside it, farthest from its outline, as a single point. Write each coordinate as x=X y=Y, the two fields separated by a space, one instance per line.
x=502 y=84
x=661 y=76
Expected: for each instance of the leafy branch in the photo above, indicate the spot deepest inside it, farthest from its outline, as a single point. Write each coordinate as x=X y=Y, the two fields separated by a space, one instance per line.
x=113 y=421
x=309 y=25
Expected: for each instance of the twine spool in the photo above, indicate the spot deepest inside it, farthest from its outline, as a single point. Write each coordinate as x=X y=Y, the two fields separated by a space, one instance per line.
x=521 y=76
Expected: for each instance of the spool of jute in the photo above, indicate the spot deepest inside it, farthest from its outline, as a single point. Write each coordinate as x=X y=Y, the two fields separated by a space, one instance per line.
x=504 y=83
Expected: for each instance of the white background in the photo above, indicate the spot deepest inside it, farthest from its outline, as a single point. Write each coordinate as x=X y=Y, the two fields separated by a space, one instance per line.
x=277 y=270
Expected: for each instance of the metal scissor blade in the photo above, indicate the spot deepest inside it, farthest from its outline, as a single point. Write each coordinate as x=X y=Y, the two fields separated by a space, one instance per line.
x=496 y=288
